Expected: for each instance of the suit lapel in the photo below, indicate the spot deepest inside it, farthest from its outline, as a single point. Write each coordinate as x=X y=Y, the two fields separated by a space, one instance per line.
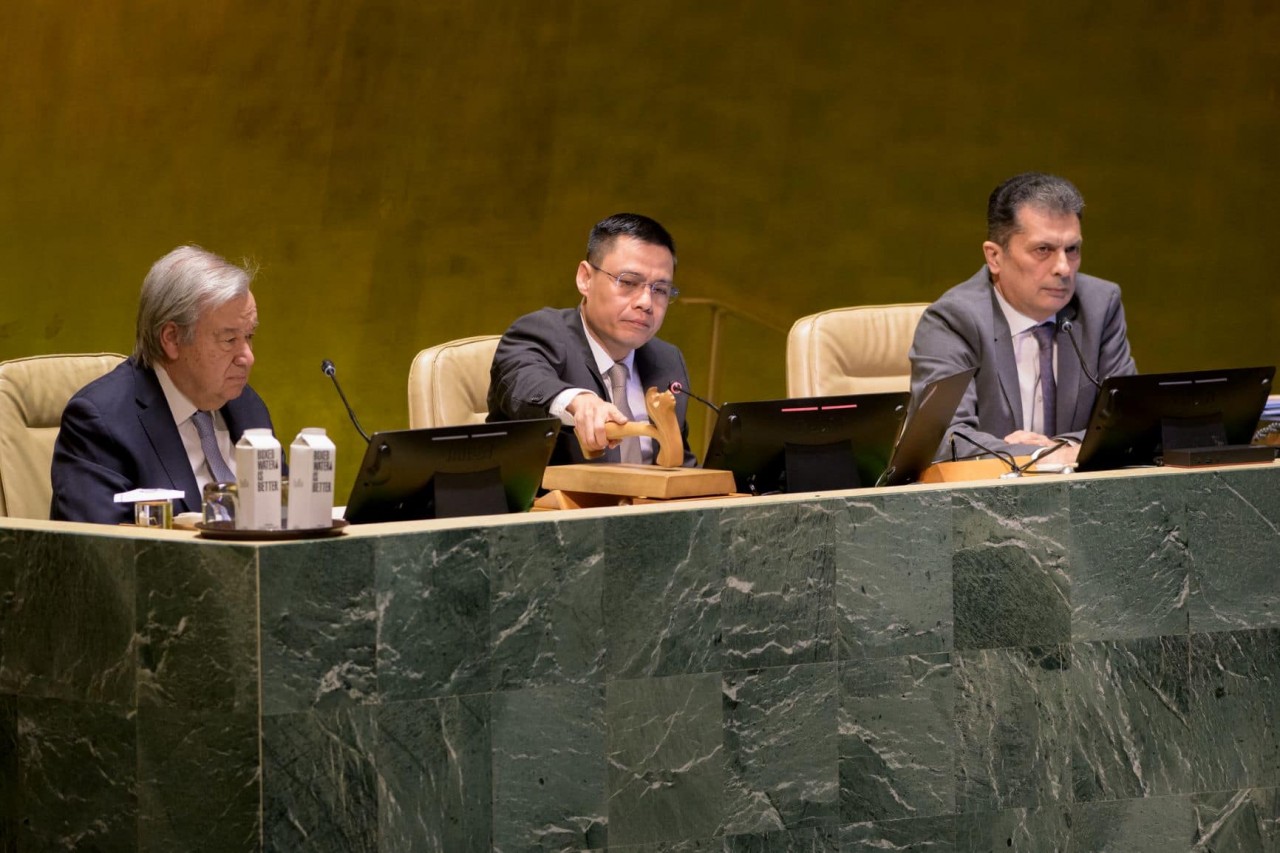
x=1006 y=365
x=162 y=432
x=573 y=323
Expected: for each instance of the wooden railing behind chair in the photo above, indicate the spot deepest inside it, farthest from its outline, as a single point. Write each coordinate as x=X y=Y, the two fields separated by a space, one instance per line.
x=721 y=310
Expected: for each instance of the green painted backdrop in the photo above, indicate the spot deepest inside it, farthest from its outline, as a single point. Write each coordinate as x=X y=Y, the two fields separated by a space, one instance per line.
x=410 y=172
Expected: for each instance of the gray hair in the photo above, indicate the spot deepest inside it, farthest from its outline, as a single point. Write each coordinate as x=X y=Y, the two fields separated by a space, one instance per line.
x=1031 y=189
x=179 y=288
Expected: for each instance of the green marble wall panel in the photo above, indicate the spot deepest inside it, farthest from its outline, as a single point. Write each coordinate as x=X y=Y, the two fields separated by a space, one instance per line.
x=897 y=738
x=219 y=749
x=1246 y=821
x=893 y=576
x=862 y=671
x=821 y=839
x=917 y=835
x=1009 y=568
x=1235 y=709
x=10 y=799
x=1130 y=562
x=1121 y=826
x=1036 y=830
x=546 y=623
x=318 y=625
x=1131 y=719
x=9 y=561
x=434 y=774
x=69 y=621
x=78 y=762
x=662 y=594
x=549 y=769
x=1013 y=728
x=1233 y=525
x=319 y=783
x=777 y=607
x=780 y=748
x=197 y=644
x=433 y=615
x=666 y=758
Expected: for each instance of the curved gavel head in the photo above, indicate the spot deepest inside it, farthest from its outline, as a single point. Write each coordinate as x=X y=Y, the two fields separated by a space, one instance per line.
x=663 y=427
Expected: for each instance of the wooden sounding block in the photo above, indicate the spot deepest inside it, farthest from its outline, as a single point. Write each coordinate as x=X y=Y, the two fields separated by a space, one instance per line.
x=636 y=481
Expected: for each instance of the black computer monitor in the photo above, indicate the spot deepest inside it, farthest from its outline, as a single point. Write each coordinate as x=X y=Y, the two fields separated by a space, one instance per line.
x=806 y=444
x=1135 y=419
x=927 y=424
x=447 y=472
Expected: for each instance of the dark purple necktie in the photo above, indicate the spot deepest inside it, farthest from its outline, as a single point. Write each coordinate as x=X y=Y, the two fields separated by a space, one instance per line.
x=1048 y=387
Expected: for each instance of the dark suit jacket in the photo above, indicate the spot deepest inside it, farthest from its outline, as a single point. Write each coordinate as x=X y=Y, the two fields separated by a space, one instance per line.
x=546 y=352
x=118 y=434
x=965 y=328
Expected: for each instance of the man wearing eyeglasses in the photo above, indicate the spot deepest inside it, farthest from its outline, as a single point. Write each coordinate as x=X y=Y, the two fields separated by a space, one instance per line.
x=590 y=365
x=168 y=416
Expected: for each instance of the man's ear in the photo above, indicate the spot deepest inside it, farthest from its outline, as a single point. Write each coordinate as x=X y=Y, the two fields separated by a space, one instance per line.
x=169 y=334
x=994 y=255
x=584 y=278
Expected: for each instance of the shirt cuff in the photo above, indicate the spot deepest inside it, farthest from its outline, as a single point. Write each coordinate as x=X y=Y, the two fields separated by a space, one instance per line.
x=561 y=400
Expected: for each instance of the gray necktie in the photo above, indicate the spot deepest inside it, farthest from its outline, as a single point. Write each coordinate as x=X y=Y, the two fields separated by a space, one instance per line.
x=630 y=447
x=209 y=444
x=1048 y=387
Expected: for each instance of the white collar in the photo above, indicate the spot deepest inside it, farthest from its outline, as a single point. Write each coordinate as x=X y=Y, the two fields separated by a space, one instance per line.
x=1018 y=322
x=179 y=405
x=604 y=361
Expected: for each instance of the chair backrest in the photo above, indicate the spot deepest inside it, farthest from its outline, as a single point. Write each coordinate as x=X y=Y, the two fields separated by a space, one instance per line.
x=449 y=383
x=33 y=393
x=860 y=350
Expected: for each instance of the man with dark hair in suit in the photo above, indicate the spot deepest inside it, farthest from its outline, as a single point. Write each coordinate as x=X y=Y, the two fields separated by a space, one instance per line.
x=1031 y=388
x=169 y=416
x=591 y=364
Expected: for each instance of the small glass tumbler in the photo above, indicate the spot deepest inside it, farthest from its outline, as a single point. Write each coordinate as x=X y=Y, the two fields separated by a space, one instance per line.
x=220 y=503
x=153 y=513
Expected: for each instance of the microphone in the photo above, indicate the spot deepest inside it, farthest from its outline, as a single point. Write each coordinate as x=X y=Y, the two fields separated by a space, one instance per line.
x=678 y=388
x=331 y=372
x=1066 y=323
x=1003 y=455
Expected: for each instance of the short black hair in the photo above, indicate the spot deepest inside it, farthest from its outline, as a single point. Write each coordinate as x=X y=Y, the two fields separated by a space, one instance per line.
x=632 y=225
x=1033 y=189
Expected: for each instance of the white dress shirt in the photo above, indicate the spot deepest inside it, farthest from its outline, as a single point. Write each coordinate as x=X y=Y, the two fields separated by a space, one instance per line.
x=635 y=394
x=182 y=410
x=1026 y=352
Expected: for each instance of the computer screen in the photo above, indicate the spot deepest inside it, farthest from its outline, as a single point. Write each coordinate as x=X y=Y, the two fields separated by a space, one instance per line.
x=808 y=443
x=447 y=472
x=925 y=428
x=1136 y=418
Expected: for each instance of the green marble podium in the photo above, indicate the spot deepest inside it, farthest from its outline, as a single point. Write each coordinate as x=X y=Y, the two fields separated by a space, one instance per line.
x=1083 y=663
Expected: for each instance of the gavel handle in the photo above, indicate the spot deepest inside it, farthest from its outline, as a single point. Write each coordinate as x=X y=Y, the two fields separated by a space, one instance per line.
x=631 y=429
x=662 y=417
x=617 y=432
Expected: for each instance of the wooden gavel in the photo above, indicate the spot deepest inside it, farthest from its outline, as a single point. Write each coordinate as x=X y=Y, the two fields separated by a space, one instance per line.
x=662 y=428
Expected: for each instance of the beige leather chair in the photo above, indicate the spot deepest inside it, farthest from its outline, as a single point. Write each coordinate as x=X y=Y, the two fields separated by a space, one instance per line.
x=861 y=350
x=449 y=383
x=33 y=393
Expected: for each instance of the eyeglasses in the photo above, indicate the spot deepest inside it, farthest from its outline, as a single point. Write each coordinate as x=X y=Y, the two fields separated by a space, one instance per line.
x=630 y=283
